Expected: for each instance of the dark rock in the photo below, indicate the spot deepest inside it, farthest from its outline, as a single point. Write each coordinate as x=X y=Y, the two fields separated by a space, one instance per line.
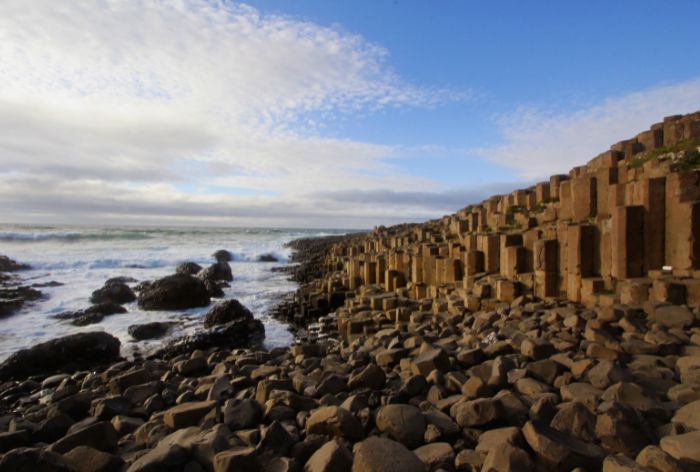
x=377 y=454
x=223 y=255
x=152 y=330
x=188 y=268
x=88 y=459
x=34 y=460
x=267 y=258
x=236 y=334
x=218 y=271
x=174 y=292
x=8 y=265
x=404 y=423
x=225 y=312
x=115 y=292
x=331 y=457
x=94 y=314
x=66 y=354
x=100 y=435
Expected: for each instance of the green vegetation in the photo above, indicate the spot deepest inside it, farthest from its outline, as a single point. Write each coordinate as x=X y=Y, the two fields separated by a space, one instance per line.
x=688 y=162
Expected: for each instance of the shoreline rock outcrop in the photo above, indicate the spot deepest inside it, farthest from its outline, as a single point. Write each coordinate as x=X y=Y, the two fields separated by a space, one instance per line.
x=549 y=329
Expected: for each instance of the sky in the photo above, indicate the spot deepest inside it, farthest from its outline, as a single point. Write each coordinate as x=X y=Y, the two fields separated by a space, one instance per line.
x=320 y=113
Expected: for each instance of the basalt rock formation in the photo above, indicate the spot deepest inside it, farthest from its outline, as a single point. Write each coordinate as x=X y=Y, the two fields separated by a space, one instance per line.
x=556 y=328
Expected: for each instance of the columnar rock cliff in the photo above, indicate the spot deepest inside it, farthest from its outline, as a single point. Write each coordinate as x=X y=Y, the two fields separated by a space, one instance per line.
x=621 y=229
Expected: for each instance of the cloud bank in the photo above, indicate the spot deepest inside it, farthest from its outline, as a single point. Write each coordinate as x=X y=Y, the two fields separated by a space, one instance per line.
x=187 y=104
x=539 y=142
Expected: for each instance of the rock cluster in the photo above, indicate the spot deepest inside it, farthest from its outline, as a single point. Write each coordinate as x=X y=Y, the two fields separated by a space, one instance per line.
x=14 y=294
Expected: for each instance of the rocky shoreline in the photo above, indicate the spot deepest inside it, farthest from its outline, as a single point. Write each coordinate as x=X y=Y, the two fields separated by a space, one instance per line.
x=550 y=329
x=531 y=385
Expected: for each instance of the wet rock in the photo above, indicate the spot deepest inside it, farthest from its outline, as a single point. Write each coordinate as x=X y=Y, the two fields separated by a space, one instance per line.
x=188 y=268
x=154 y=330
x=267 y=258
x=114 y=292
x=67 y=354
x=8 y=265
x=218 y=271
x=174 y=292
x=225 y=312
x=94 y=314
x=377 y=454
x=404 y=423
x=223 y=255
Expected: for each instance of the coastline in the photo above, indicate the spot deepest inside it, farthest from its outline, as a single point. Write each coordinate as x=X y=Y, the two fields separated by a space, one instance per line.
x=500 y=338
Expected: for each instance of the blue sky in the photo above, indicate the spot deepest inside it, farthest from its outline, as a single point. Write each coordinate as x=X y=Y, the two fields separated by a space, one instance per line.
x=317 y=112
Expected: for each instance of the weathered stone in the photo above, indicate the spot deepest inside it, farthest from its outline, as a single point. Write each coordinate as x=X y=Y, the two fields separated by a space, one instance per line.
x=335 y=421
x=507 y=458
x=162 y=457
x=559 y=450
x=683 y=447
x=377 y=454
x=236 y=459
x=436 y=456
x=477 y=412
x=100 y=436
x=35 y=460
x=372 y=377
x=331 y=457
x=241 y=414
x=429 y=360
x=622 y=463
x=187 y=414
x=404 y=423
x=174 y=292
x=87 y=459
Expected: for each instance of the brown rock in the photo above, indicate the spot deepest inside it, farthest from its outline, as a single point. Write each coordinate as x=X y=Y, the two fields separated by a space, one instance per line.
x=236 y=459
x=404 y=423
x=688 y=416
x=34 y=460
x=331 y=457
x=436 y=456
x=87 y=459
x=657 y=459
x=429 y=360
x=477 y=412
x=683 y=447
x=558 y=450
x=377 y=454
x=372 y=377
x=335 y=421
x=507 y=458
x=101 y=436
x=622 y=463
x=187 y=414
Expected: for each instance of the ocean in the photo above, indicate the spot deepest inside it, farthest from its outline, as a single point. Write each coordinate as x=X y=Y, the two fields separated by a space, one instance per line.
x=82 y=258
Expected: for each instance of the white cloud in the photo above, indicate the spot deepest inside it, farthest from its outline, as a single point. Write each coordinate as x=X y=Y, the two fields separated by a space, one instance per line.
x=134 y=97
x=540 y=142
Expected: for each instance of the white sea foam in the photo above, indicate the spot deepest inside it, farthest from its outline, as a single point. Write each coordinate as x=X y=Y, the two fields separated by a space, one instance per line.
x=83 y=258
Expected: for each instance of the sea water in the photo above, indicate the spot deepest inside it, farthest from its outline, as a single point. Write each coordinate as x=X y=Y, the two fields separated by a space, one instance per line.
x=83 y=258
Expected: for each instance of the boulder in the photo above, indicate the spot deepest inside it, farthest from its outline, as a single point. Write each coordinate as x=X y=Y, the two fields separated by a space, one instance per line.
x=156 y=329
x=507 y=458
x=335 y=421
x=225 y=312
x=560 y=451
x=161 y=458
x=100 y=436
x=331 y=457
x=435 y=456
x=372 y=377
x=223 y=255
x=218 y=271
x=673 y=316
x=404 y=423
x=35 y=460
x=683 y=447
x=88 y=459
x=267 y=258
x=67 y=354
x=187 y=414
x=114 y=292
x=8 y=265
x=377 y=454
x=174 y=292
x=188 y=268
x=241 y=333
x=241 y=414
